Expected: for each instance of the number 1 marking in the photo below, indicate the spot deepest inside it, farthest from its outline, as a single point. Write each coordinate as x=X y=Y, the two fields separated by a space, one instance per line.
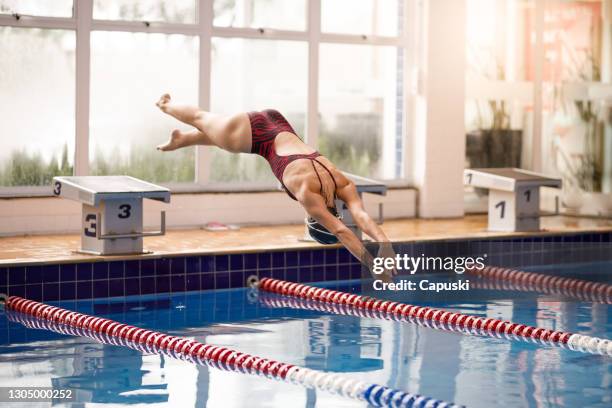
x=502 y=206
x=528 y=195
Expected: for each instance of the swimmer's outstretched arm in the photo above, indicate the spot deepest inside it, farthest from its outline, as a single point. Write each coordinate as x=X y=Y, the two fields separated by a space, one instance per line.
x=315 y=206
x=353 y=202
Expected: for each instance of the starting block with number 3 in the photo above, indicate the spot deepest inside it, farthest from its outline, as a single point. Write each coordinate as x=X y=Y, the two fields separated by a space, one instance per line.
x=112 y=215
x=514 y=196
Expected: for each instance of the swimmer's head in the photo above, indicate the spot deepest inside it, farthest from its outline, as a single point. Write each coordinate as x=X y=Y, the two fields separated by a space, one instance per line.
x=319 y=233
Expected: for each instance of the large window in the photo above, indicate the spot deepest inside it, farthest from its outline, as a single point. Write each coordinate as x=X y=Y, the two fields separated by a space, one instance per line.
x=539 y=93
x=577 y=101
x=83 y=101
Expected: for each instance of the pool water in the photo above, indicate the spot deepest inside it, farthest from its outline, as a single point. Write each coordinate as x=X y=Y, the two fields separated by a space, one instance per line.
x=474 y=371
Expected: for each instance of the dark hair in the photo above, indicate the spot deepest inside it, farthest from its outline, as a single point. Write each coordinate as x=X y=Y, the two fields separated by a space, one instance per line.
x=319 y=233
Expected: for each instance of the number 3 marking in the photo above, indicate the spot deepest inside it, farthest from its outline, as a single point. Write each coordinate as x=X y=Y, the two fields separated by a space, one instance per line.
x=90 y=228
x=57 y=189
x=126 y=211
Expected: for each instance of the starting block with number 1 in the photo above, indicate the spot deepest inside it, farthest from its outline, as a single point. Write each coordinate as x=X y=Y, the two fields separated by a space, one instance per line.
x=514 y=196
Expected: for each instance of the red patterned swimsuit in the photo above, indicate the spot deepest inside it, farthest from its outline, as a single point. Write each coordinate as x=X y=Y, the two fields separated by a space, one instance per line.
x=265 y=126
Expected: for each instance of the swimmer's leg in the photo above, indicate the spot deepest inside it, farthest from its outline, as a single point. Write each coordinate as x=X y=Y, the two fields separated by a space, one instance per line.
x=180 y=139
x=185 y=113
x=232 y=133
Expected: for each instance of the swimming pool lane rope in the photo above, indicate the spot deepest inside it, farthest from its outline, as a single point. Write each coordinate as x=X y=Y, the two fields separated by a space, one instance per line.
x=439 y=318
x=507 y=278
x=39 y=315
x=497 y=284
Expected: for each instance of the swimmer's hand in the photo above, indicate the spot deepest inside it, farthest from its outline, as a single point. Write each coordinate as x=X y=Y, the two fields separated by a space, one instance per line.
x=385 y=251
x=385 y=277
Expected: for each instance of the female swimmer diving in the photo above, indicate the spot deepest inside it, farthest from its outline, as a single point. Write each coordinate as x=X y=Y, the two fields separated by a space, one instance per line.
x=306 y=175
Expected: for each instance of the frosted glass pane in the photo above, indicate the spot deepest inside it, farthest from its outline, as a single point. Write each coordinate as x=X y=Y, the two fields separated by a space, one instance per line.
x=46 y=8
x=361 y=116
x=37 y=73
x=278 y=14
x=129 y=71
x=247 y=75
x=368 y=17
x=175 y=11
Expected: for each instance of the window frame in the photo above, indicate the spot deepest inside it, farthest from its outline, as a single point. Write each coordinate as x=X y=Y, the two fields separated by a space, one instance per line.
x=83 y=23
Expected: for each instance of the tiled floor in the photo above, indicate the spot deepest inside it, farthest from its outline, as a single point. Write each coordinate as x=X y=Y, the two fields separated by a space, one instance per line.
x=60 y=248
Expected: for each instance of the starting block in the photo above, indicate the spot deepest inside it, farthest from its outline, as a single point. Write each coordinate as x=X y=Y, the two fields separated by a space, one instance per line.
x=363 y=185
x=514 y=196
x=112 y=215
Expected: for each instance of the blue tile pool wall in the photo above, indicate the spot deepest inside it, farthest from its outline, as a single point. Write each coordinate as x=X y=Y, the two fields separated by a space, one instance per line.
x=521 y=251
x=223 y=271
x=173 y=274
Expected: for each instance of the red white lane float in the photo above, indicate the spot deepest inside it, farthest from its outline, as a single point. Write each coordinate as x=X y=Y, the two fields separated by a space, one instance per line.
x=494 y=284
x=440 y=318
x=39 y=315
x=506 y=278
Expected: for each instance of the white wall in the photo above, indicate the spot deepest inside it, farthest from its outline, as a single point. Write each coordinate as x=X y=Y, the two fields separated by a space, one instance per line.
x=50 y=215
x=439 y=149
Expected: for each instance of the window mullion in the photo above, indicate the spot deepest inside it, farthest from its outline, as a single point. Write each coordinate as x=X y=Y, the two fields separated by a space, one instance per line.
x=83 y=12
x=361 y=39
x=205 y=20
x=314 y=35
x=145 y=27
x=259 y=33
x=409 y=35
x=38 y=22
x=536 y=150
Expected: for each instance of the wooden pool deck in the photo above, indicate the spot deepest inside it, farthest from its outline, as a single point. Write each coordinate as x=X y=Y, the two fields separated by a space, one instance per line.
x=61 y=248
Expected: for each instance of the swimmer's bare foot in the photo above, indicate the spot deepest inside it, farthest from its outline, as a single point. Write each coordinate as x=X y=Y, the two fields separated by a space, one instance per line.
x=176 y=142
x=163 y=102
